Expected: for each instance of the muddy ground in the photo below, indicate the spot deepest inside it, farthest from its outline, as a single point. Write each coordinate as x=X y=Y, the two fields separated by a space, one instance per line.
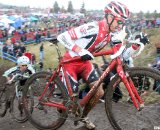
x=97 y=115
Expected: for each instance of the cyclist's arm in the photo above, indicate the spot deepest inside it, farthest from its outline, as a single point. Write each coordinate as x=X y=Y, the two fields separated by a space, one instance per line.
x=9 y=72
x=30 y=67
x=68 y=38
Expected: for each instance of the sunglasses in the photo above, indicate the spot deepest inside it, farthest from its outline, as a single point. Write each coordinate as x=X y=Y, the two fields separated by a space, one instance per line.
x=120 y=22
x=24 y=65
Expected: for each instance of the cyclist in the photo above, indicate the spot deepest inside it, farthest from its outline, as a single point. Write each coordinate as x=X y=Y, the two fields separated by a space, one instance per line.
x=23 y=67
x=89 y=38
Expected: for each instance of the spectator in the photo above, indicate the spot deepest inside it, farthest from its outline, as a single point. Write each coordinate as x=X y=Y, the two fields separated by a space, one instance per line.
x=10 y=47
x=16 y=46
x=28 y=54
x=23 y=38
x=4 y=50
x=48 y=34
x=41 y=52
x=23 y=48
x=33 y=59
x=38 y=37
x=40 y=65
x=19 y=53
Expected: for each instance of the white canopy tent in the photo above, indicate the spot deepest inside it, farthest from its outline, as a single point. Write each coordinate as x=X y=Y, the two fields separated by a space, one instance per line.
x=6 y=22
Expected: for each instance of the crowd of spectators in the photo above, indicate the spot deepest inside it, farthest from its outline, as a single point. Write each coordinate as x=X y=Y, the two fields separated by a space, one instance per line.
x=15 y=50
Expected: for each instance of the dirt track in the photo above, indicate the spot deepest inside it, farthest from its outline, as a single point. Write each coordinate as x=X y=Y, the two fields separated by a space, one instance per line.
x=97 y=116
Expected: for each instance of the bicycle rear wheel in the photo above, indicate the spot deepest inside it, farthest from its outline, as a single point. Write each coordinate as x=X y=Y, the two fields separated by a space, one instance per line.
x=44 y=117
x=3 y=101
x=121 y=112
x=17 y=110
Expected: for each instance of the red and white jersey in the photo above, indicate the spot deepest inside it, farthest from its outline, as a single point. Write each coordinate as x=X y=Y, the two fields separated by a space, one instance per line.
x=92 y=36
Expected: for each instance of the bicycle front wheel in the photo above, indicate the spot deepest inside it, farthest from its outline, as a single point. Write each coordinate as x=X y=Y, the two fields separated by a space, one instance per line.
x=17 y=110
x=43 y=116
x=119 y=106
x=3 y=101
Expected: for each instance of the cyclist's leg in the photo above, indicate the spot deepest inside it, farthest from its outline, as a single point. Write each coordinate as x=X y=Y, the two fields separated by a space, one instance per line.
x=90 y=75
x=88 y=107
x=94 y=100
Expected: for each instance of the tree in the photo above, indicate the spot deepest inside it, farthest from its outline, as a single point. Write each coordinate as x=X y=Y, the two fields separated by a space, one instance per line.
x=83 y=10
x=63 y=9
x=70 y=7
x=155 y=14
x=140 y=15
x=56 y=8
x=147 y=15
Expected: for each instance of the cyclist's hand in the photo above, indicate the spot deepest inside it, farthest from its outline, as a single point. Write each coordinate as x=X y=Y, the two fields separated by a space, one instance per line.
x=85 y=55
x=120 y=36
x=143 y=38
x=9 y=82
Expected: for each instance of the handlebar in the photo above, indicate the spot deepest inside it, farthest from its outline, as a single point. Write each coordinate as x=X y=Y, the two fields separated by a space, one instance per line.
x=52 y=40
x=17 y=77
x=139 y=43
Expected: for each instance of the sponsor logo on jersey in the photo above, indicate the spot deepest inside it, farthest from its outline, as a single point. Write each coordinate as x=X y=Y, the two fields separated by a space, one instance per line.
x=83 y=30
x=90 y=27
x=65 y=41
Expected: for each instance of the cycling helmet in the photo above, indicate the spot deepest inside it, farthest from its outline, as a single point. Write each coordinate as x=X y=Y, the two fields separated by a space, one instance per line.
x=117 y=9
x=23 y=60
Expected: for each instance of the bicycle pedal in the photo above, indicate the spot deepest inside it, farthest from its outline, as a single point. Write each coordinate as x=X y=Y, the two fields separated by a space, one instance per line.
x=8 y=104
x=45 y=111
x=129 y=100
x=40 y=107
x=76 y=123
x=141 y=107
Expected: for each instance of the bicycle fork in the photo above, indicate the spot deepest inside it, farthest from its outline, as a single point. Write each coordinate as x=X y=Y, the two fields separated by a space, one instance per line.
x=137 y=101
x=19 y=97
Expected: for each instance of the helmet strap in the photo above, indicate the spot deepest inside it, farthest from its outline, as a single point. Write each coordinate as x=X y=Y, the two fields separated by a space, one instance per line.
x=106 y=16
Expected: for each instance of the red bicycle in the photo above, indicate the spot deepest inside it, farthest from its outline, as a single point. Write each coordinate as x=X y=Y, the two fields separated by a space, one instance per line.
x=54 y=100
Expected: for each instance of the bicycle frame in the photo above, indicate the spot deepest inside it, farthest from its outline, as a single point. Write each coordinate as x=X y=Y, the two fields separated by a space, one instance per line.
x=115 y=63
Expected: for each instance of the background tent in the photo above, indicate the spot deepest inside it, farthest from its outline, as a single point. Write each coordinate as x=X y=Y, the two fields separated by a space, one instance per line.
x=6 y=22
x=1 y=24
x=33 y=19
x=12 y=18
x=18 y=23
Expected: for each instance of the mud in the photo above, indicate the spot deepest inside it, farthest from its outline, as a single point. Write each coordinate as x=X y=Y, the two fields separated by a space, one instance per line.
x=97 y=116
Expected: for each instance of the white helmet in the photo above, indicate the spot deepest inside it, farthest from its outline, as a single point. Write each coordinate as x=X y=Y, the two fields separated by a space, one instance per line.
x=23 y=60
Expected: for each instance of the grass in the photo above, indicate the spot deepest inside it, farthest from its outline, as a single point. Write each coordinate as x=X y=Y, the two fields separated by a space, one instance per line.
x=50 y=54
